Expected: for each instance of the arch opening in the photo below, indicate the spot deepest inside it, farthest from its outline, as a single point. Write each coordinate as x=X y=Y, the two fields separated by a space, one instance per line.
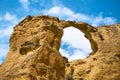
x=74 y=45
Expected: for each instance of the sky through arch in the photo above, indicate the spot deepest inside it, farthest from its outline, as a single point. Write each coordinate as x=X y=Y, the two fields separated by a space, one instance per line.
x=74 y=45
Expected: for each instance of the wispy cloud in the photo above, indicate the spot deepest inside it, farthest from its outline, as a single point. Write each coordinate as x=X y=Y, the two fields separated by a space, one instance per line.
x=25 y=4
x=100 y=20
x=77 y=54
x=8 y=20
x=3 y=52
x=6 y=32
x=10 y=17
x=67 y=14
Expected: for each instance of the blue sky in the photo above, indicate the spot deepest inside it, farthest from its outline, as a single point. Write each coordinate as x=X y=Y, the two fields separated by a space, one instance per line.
x=94 y=12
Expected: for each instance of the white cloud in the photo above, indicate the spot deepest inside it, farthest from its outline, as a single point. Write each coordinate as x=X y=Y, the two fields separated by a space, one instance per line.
x=76 y=55
x=56 y=3
x=1 y=61
x=99 y=20
x=10 y=17
x=25 y=4
x=76 y=39
x=8 y=20
x=67 y=14
x=64 y=53
x=3 y=52
x=6 y=32
x=109 y=20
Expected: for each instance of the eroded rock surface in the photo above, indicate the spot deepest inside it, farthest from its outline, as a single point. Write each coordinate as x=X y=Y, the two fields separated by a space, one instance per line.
x=104 y=64
x=34 y=52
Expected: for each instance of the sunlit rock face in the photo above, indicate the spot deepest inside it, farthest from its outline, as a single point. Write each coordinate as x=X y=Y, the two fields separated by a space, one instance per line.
x=104 y=64
x=34 y=52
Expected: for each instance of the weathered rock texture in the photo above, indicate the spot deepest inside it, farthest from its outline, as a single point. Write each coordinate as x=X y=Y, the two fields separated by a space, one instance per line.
x=34 y=52
x=104 y=64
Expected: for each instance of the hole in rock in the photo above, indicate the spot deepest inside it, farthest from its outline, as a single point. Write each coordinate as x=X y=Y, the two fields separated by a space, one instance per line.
x=74 y=45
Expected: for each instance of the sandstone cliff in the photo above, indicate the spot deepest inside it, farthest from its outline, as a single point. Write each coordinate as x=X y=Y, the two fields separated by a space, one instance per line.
x=34 y=52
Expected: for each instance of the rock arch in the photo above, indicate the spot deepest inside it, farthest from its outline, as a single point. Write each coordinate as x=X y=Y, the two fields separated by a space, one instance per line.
x=85 y=28
x=43 y=60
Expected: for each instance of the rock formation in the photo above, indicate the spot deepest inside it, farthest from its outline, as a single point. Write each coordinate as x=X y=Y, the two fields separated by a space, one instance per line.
x=34 y=52
x=104 y=63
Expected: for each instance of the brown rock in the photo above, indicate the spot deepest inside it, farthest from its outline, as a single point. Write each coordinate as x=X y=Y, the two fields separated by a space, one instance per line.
x=34 y=52
x=104 y=64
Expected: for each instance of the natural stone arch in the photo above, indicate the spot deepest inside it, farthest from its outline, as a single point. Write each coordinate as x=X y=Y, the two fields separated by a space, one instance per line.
x=85 y=28
x=44 y=34
x=73 y=40
x=43 y=59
